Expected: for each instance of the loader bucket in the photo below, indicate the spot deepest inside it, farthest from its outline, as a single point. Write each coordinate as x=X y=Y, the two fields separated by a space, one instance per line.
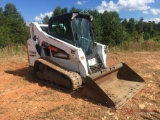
x=114 y=86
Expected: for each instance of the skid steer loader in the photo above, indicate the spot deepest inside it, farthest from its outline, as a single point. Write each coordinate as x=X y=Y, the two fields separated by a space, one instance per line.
x=65 y=53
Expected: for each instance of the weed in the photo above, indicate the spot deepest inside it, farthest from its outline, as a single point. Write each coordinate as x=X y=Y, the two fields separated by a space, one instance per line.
x=12 y=50
x=148 y=45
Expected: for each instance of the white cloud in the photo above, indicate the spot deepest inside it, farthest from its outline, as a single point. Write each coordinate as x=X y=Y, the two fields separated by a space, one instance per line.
x=155 y=11
x=130 y=5
x=145 y=12
x=107 y=6
x=81 y=2
x=152 y=11
x=37 y=18
x=41 y=16
x=156 y=20
x=141 y=5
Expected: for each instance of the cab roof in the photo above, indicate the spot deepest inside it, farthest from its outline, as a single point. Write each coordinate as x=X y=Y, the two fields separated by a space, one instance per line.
x=71 y=16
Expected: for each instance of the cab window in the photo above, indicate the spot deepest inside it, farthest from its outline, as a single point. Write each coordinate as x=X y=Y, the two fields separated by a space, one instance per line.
x=62 y=30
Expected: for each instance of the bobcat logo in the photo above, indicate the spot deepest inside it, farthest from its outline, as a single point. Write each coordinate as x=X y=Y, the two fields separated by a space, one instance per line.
x=73 y=51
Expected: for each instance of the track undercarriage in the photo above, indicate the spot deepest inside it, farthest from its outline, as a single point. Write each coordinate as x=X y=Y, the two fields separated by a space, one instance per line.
x=61 y=78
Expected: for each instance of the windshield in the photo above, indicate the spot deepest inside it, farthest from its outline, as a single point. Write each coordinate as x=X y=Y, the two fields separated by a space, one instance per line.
x=83 y=34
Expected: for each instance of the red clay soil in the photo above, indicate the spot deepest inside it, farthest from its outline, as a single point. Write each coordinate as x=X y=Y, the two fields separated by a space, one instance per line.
x=22 y=96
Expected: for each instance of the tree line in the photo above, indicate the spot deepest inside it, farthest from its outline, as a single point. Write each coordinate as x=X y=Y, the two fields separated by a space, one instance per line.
x=109 y=28
x=13 y=29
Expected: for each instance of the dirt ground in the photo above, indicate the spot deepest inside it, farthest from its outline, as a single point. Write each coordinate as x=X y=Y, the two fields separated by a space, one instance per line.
x=23 y=97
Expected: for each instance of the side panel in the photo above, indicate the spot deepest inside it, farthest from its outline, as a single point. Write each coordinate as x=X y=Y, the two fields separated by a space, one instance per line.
x=82 y=63
x=76 y=61
x=32 y=52
x=101 y=50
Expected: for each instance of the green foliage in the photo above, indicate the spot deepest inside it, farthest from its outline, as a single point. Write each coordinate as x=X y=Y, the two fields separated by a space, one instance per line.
x=45 y=20
x=73 y=9
x=131 y=28
x=140 y=26
x=58 y=11
x=13 y=29
x=146 y=36
x=4 y=36
x=157 y=39
x=108 y=28
x=64 y=10
x=111 y=30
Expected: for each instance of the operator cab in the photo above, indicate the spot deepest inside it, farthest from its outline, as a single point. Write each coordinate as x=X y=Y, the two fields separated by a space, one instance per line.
x=76 y=29
x=73 y=28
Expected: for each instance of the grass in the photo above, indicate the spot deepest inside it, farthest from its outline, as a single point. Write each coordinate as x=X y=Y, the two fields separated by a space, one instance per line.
x=149 y=45
x=12 y=50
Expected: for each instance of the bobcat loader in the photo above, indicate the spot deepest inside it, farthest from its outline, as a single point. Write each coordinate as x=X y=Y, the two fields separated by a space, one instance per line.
x=65 y=53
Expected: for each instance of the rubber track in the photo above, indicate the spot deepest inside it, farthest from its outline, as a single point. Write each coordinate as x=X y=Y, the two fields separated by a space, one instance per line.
x=73 y=76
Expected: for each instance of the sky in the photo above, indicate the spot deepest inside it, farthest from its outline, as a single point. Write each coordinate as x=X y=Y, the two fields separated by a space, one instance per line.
x=36 y=10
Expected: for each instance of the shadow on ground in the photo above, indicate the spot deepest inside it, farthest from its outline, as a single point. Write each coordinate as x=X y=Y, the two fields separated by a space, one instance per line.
x=28 y=74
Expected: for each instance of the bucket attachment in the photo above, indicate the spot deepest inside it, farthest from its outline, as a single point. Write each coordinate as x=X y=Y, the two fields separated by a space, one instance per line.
x=113 y=86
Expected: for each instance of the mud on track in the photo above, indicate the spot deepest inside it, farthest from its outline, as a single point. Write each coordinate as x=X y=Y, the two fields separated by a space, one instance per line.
x=23 y=97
